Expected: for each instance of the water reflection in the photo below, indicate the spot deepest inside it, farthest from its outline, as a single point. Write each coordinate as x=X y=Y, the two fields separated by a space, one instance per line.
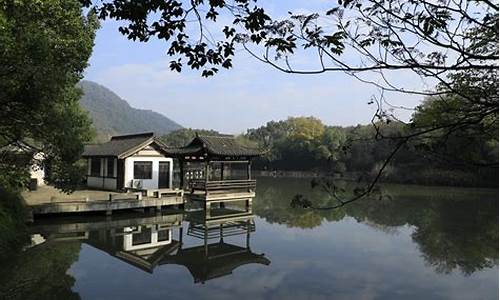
x=216 y=257
x=142 y=246
x=422 y=243
x=40 y=272
x=147 y=242
x=453 y=228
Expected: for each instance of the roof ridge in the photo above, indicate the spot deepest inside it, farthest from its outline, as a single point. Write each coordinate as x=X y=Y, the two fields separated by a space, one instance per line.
x=218 y=136
x=133 y=135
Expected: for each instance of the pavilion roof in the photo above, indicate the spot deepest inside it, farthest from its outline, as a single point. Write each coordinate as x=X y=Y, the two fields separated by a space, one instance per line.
x=216 y=146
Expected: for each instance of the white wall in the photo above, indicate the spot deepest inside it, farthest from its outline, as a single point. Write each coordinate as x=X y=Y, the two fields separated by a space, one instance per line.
x=37 y=171
x=146 y=183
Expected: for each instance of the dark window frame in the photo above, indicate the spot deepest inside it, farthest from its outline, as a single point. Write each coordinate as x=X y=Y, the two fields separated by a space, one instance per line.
x=163 y=235
x=110 y=163
x=95 y=167
x=144 y=173
x=143 y=237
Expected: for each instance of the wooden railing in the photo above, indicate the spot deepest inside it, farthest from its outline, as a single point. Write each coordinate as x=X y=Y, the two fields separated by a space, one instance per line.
x=222 y=185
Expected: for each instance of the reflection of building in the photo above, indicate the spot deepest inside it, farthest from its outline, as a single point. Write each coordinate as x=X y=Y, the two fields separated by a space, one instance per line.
x=219 y=258
x=142 y=246
x=148 y=241
x=140 y=240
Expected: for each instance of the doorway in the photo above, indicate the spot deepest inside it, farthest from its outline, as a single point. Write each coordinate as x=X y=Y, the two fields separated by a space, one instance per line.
x=164 y=175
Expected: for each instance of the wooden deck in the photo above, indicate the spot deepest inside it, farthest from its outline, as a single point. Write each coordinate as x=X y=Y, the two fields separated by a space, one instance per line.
x=220 y=196
x=222 y=185
x=221 y=191
x=113 y=202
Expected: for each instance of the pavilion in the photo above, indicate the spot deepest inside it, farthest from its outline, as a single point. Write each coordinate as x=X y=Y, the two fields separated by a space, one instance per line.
x=216 y=168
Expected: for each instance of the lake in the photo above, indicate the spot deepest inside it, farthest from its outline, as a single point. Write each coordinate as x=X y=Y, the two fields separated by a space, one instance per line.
x=413 y=243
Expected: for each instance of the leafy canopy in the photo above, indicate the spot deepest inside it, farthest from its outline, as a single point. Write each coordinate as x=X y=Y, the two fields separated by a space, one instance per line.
x=45 y=46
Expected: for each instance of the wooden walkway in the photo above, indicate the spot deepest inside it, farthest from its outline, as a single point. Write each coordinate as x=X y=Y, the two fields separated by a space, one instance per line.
x=114 y=202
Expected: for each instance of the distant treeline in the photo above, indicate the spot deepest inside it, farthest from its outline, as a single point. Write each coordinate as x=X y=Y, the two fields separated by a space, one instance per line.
x=306 y=144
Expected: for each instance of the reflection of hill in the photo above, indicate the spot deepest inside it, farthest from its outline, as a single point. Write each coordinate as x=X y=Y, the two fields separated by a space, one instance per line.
x=454 y=228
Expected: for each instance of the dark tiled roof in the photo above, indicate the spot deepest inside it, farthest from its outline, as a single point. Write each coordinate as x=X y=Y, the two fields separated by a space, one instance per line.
x=216 y=146
x=120 y=146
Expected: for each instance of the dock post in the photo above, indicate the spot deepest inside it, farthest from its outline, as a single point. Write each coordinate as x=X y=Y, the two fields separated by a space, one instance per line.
x=207 y=208
x=248 y=204
x=248 y=235
x=180 y=236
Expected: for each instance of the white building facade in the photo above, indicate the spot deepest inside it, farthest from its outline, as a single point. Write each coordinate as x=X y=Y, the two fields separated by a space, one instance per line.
x=131 y=162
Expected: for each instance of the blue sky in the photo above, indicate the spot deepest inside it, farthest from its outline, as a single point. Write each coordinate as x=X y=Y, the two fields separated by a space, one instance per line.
x=246 y=96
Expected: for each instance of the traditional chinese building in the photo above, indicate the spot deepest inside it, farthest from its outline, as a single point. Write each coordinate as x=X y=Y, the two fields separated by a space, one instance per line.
x=216 y=168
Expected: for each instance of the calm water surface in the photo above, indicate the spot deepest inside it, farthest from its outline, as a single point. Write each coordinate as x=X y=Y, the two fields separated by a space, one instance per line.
x=418 y=243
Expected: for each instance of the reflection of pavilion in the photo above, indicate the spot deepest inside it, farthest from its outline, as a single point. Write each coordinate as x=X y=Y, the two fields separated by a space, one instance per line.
x=147 y=241
x=216 y=259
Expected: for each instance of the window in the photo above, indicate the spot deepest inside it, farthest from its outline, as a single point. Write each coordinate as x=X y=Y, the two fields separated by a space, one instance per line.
x=143 y=170
x=142 y=237
x=95 y=167
x=163 y=235
x=111 y=167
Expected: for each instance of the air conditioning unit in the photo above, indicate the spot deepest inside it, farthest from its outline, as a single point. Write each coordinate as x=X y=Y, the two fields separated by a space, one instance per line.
x=137 y=184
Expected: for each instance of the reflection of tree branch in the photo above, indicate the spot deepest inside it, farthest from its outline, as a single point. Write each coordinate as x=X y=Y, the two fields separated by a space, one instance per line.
x=304 y=203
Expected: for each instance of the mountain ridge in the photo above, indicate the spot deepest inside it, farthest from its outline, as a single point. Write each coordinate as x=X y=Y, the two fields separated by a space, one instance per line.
x=112 y=115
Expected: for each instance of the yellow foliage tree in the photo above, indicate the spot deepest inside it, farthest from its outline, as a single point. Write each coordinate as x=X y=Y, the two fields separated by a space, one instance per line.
x=306 y=128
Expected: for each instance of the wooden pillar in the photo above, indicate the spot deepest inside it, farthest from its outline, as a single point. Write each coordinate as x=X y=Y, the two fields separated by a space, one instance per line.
x=207 y=173
x=248 y=234
x=221 y=234
x=249 y=170
x=248 y=204
x=207 y=170
x=181 y=170
x=207 y=209
x=206 y=241
x=180 y=236
x=221 y=171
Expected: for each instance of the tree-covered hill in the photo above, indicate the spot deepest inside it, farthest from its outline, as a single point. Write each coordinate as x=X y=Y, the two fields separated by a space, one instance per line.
x=112 y=115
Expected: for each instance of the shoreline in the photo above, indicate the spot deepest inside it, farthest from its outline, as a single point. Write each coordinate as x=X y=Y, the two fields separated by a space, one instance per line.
x=354 y=176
